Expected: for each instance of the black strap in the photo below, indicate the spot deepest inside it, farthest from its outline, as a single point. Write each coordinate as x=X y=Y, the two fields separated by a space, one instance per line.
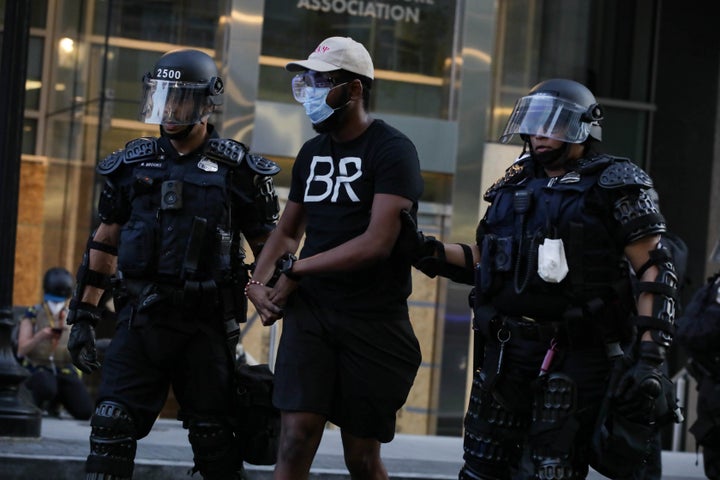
x=468 y=256
x=103 y=247
x=644 y=322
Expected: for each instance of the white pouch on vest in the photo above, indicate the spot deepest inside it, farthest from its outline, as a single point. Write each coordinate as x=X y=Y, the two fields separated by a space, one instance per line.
x=552 y=264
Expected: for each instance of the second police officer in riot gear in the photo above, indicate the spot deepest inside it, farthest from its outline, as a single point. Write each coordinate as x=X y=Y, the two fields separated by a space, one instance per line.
x=698 y=332
x=553 y=299
x=173 y=213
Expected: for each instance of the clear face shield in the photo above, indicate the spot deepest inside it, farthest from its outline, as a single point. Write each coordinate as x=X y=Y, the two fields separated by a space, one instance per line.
x=174 y=102
x=548 y=116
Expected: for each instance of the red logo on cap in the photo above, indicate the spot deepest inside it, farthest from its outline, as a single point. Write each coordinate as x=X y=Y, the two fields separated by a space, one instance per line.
x=322 y=49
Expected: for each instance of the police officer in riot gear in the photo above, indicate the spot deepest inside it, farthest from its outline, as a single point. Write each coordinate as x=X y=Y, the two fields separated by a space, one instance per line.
x=553 y=298
x=173 y=212
x=698 y=333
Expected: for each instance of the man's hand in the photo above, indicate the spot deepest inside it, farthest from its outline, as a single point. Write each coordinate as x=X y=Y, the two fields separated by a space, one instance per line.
x=260 y=296
x=81 y=342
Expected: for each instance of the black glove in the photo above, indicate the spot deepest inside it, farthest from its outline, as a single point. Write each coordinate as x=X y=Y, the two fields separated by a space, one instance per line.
x=81 y=342
x=642 y=384
x=413 y=244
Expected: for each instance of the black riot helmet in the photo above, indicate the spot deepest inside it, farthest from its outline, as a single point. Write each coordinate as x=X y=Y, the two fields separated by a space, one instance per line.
x=183 y=88
x=58 y=283
x=558 y=108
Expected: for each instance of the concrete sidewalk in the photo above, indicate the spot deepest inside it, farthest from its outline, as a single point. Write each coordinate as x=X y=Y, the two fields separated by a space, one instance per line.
x=60 y=453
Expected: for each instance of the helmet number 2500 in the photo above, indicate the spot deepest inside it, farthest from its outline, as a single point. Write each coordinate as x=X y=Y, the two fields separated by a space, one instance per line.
x=167 y=73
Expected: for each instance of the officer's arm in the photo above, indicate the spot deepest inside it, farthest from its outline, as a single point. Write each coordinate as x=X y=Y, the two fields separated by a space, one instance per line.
x=638 y=255
x=658 y=289
x=455 y=261
x=102 y=261
x=455 y=254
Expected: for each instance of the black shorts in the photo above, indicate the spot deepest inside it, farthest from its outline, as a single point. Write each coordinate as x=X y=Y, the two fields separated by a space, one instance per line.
x=353 y=369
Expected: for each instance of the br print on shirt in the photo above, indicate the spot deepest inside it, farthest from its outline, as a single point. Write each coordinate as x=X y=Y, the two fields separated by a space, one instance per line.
x=323 y=180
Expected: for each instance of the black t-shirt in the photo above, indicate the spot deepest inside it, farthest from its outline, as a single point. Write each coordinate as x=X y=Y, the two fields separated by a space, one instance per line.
x=336 y=183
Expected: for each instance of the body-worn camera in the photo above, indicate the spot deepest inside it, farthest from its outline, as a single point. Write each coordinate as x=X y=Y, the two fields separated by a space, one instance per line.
x=171 y=195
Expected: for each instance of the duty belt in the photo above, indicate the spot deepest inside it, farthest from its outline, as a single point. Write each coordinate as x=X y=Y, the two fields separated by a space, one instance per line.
x=544 y=331
x=188 y=294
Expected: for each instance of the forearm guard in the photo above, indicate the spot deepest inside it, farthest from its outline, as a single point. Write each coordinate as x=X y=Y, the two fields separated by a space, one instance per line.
x=437 y=264
x=88 y=277
x=661 y=322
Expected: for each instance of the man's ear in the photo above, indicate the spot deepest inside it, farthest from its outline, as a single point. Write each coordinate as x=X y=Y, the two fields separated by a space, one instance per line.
x=356 y=89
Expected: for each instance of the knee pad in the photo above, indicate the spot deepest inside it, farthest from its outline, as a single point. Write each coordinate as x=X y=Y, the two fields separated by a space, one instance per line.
x=112 y=443
x=215 y=448
x=554 y=428
x=493 y=435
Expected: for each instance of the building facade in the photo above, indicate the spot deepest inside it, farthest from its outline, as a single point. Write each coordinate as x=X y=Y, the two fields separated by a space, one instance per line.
x=447 y=74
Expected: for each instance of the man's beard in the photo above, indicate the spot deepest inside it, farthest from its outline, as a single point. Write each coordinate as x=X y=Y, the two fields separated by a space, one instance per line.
x=181 y=135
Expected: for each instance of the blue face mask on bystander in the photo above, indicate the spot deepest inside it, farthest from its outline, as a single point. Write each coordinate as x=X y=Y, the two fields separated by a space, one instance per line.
x=315 y=105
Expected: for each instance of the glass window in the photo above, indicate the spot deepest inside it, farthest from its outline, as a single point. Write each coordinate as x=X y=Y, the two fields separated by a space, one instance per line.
x=38 y=13
x=411 y=44
x=29 y=136
x=184 y=22
x=125 y=70
x=33 y=80
x=606 y=45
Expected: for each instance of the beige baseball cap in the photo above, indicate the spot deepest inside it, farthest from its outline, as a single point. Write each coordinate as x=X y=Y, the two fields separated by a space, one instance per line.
x=337 y=53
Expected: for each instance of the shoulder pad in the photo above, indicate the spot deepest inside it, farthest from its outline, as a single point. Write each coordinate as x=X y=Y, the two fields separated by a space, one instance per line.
x=595 y=164
x=225 y=150
x=261 y=165
x=141 y=149
x=514 y=174
x=110 y=163
x=138 y=150
x=623 y=172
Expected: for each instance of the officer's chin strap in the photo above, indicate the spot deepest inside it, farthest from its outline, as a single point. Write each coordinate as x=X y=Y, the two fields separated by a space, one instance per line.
x=551 y=158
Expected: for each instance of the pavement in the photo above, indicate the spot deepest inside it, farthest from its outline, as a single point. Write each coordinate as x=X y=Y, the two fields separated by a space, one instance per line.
x=60 y=451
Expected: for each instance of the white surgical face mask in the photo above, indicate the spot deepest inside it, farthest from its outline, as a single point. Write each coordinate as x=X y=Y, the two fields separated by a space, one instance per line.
x=316 y=108
x=55 y=307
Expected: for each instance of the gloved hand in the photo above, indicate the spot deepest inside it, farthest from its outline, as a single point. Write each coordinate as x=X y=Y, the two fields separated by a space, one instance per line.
x=639 y=387
x=412 y=243
x=81 y=342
